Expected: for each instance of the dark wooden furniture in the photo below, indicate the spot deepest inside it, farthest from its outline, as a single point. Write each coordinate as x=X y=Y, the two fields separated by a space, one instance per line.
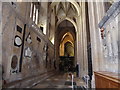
x=107 y=80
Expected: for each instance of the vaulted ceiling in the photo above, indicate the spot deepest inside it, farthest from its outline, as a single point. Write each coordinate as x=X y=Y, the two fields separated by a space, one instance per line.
x=66 y=9
x=66 y=14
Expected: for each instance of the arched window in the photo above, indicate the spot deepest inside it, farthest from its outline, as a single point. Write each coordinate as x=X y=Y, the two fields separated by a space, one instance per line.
x=31 y=10
x=34 y=11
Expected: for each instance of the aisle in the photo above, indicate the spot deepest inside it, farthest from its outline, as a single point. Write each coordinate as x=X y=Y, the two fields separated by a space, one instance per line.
x=57 y=81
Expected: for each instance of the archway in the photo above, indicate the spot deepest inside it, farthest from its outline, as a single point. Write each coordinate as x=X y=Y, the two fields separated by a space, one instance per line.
x=68 y=49
x=67 y=38
x=66 y=44
x=66 y=55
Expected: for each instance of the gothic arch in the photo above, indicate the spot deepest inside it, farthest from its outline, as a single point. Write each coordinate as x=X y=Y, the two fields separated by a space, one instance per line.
x=70 y=20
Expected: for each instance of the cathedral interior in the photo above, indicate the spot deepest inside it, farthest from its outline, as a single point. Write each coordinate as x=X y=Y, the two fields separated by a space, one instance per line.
x=60 y=44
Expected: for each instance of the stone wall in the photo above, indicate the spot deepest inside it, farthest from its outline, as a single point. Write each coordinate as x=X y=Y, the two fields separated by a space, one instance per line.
x=0 y=32
x=109 y=24
x=25 y=48
x=0 y=45
x=97 y=18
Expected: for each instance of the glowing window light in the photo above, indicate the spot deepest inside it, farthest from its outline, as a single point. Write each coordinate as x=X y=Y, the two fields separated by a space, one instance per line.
x=36 y=20
x=31 y=10
x=52 y=40
x=34 y=13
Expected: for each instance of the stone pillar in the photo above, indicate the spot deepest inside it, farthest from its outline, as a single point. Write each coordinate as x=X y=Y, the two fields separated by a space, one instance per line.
x=81 y=40
x=93 y=40
x=56 y=49
x=100 y=12
x=96 y=13
x=52 y=28
x=85 y=68
x=79 y=45
x=119 y=42
x=1 y=44
x=0 y=32
x=93 y=36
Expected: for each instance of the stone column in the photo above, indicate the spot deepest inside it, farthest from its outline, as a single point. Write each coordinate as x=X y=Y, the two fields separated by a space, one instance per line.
x=52 y=29
x=1 y=44
x=56 y=48
x=84 y=40
x=93 y=36
x=119 y=42
x=85 y=43
x=0 y=32
x=79 y=44
x=99 y=15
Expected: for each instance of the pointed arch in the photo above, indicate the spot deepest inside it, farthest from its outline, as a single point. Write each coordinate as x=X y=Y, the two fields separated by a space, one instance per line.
x=70 y=20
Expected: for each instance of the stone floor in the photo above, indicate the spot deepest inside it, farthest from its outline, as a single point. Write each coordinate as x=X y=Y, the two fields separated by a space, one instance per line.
x=58 y=81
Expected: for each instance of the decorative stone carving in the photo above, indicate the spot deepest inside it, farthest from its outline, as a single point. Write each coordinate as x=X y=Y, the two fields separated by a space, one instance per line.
x=105 y=51
x=44 y=56
x=28 y=52
x=28 y=39
x=45 y=47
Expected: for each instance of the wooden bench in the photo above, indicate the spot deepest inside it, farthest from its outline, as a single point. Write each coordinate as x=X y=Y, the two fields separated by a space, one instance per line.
x=107 y=80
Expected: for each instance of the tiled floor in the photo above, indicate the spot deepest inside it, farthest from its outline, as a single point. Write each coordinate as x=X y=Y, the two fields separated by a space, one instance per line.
x=57 y=81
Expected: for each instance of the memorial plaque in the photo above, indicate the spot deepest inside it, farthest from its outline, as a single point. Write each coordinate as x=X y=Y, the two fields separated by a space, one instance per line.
x=14 y=62
x=17 y=41
x=19 y=29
